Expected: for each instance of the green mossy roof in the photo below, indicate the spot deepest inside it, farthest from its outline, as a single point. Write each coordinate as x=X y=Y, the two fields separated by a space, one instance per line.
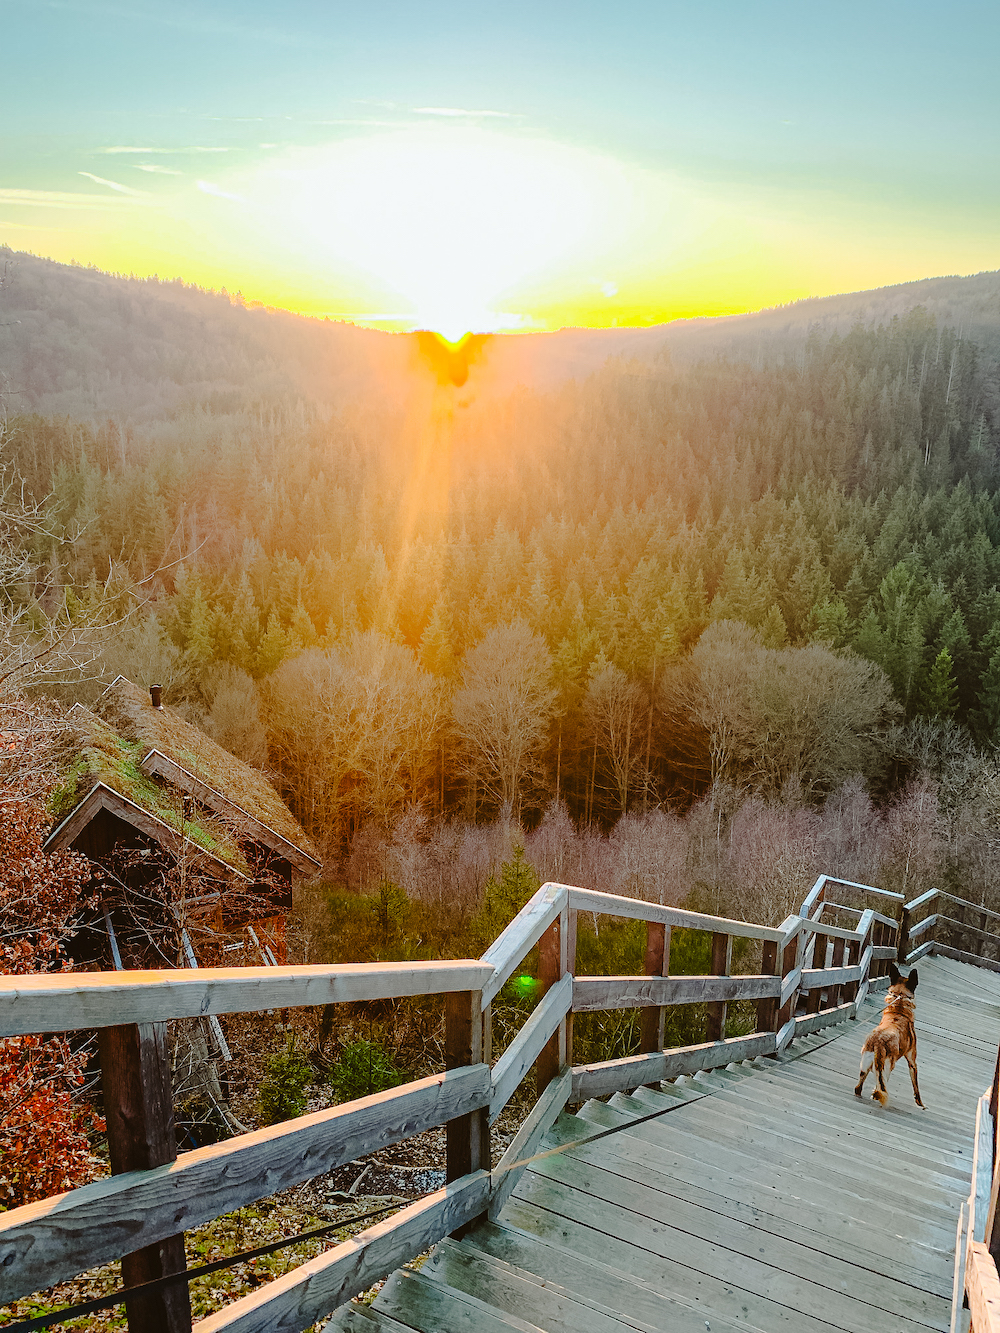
x=93 y=752
x=129 y=711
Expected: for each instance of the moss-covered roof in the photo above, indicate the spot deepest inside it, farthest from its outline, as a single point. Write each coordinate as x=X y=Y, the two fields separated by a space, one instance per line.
x=94 y=752
x=129 y=711
x=154 y=758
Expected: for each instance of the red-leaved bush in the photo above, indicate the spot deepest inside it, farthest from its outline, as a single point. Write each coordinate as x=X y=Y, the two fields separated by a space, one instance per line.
x=44 y=1145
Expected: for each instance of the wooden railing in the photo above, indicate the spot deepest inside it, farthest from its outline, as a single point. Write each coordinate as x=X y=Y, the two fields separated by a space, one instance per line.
x=814 y=972
x=936 y=923
x=977 y=1246
x=941 y=923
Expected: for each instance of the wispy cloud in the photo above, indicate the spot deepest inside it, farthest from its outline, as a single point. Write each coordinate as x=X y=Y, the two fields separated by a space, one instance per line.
x=112 y=185
x=64 y=199
x=146 y=152
x=462 y=111
x=155 y=167
x=217 y=192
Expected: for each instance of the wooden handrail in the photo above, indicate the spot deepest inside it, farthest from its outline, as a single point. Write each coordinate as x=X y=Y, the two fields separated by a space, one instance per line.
x=65 y=1001
x=48 y=1242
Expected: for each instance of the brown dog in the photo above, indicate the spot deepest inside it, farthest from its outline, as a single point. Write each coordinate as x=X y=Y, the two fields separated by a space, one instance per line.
x=894 y=1039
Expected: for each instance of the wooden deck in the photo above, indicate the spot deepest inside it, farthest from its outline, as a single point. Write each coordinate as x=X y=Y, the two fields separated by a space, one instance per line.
x=761 y=1197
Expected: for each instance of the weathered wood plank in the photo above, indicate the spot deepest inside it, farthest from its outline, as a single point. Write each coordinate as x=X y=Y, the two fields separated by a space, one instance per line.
x=551 y=967
x=818 y=978
x=467 y=1136
x=982 y=1170
x=54 y=1239
x=138 y=1103
x=526 y=1047
x=925 y=924
x=983 y=1286
x=589 y=900
x=960 y=956
x=598 y=1080
x=825 y=1018
x=512 y=1164
x=506 y=952
x=64 y=1001
x=594 y=993
x=314 y=1289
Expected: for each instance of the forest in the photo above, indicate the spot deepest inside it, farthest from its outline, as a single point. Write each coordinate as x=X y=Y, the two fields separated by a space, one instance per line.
x=689 y=626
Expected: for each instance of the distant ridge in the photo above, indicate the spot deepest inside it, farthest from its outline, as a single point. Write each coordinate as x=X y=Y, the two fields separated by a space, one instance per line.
x=91 y=345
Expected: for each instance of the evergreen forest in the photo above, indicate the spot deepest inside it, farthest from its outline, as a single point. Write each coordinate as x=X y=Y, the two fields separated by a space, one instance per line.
x=696 y=620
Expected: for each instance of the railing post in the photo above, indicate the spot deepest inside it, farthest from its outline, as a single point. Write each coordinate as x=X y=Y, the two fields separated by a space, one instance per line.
x=815 y=1000
x=467 y=1137
x=767 y=1009
x=552 y=963
x=835 y=992
x=850 y=991
x=722 y=957
x=903 y=936
x=570 y=967
x=789 y=962
x=652 y=1020
x=138 y=1104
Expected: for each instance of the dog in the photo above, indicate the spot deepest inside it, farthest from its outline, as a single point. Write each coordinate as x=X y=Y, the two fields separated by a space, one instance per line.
x=894 y=1039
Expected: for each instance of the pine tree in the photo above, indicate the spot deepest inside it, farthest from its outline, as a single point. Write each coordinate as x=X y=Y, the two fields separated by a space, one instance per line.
x=939 y=696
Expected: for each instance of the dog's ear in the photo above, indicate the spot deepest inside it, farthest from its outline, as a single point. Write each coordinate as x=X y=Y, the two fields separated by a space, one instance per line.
x=894 y=975
x=911 y=980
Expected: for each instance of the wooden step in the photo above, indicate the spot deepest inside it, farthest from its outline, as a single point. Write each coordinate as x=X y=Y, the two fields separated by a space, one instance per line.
x=718 y=1196
x=431 y=1306
x=826 y=1187
x=852 y=1137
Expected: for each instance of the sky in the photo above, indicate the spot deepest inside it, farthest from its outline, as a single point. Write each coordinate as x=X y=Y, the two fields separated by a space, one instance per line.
x=515 y=166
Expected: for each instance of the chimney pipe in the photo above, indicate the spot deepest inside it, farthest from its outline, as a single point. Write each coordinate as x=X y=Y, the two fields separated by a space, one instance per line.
x=154 y=693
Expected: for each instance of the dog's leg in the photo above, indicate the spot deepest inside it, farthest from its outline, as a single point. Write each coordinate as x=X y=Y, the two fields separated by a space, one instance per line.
x=866 y=1069
x=881 y=1093
x=911 y=1060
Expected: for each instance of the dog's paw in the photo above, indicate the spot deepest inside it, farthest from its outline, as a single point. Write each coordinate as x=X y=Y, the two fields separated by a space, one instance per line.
x=922 y=1106
x=857 y=1091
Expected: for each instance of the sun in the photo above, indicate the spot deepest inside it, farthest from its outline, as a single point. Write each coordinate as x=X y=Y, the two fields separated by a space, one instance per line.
x=449 y=226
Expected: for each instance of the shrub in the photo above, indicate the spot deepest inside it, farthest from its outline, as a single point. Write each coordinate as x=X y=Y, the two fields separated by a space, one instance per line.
x=365 y=1067
x=283 y=1088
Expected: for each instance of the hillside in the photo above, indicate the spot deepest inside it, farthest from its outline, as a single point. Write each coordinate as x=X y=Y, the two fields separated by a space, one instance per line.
x=78 y=342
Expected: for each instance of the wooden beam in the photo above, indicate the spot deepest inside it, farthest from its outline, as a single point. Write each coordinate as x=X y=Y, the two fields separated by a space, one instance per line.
x=64 y=1001
x=823 y=1019
x=138 y=1105
x=819 y=978
x=468 y=1135
x=960 y=956
x=983 y=1286
x=599 y=1080
x=512 y=1164
x=767 y=1006
x=54 y=1239
x=551 y=948
x=722 y=957
x=526 y=1047
x=595 y=993
x=317 y=1288
x=655 y=963
x=506 y=952
x=612 y=904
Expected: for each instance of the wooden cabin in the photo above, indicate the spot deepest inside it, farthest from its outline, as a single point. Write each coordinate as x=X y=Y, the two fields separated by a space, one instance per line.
x=193 y=849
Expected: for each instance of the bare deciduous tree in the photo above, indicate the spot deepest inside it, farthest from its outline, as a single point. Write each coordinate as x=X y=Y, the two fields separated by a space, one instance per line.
x=617 y=711
x=502 y=711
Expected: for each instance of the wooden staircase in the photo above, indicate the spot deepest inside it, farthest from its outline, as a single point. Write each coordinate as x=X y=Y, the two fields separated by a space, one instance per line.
x=763 y=1196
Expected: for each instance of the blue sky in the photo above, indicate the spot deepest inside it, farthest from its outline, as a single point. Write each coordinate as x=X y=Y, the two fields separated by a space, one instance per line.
x=832 y=129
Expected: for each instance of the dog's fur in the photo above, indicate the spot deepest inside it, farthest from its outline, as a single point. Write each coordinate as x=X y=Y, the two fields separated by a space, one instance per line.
x=894 y=1039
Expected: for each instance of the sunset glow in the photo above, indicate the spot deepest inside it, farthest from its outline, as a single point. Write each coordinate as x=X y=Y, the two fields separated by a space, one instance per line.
x=529 y=174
